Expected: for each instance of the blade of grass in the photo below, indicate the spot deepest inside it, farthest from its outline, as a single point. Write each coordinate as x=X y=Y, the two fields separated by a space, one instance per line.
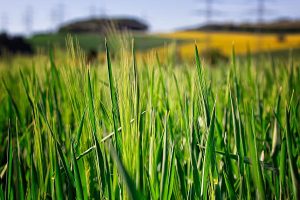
x=171 y=172
x=132 y=190
x=21 y=193
x=58 y=179
x=99 y=154
x=33 y=180
x=209 y=156
x=256 y=169
x=114 y=98
x=203 y=89
x=164 y=173
x=282 y=168
x=77 y=179
x=139 y=160
x=9 y=180
x=79 y=130
x=292 y=163
x=58 y=147
x=230 y=188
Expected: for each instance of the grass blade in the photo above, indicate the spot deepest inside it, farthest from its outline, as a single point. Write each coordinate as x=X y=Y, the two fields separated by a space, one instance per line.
x=9 y=180
x=282 y=168
x=229 y=187
x=132 y=191
x=58 y=179
x=79 y=130
x=292 y=164
x=164 y=173
x=77 y=179
x=99 y=155
x=209 y=156
x=256 y=169
x=113 y=95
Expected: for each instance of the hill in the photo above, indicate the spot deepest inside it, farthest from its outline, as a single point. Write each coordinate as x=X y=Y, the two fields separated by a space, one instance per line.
x=99 y=25
x=279 y=26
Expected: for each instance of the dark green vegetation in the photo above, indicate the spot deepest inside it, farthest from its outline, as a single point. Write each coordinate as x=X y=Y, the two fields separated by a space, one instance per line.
x=99 y=25
x=280 y=27
x=149 y=130
x=90 y=41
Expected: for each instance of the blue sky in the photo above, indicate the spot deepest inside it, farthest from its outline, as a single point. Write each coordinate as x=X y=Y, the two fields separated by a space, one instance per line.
x=161 y=15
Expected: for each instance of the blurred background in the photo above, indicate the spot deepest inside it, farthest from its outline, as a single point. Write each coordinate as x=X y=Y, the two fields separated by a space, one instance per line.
x=259 y=25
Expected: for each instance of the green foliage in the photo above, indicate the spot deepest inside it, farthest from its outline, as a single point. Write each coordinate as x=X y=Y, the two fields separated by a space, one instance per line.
x=149 y=130
x=89 y=41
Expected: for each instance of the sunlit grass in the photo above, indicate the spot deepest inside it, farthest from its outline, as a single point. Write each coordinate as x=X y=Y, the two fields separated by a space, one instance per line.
x=148 y=129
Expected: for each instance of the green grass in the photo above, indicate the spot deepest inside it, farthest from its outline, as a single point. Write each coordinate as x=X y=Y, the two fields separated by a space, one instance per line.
x=149 y=129
x=96 y=41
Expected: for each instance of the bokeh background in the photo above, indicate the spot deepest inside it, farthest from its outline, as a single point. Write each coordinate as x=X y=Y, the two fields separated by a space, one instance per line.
x=215 y=25
x=29 y=16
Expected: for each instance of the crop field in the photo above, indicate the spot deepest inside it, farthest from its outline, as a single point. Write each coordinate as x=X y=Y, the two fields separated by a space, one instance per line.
x=151 y=129
x=95 y=41
x=223 y=42
x=184 y=41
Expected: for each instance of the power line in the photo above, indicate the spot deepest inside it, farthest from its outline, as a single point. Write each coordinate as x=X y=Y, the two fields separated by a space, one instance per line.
x=28 y=19
x=97 y=10
x=209 y=12
x=60 y=13
x=209 y=7
x=102 y=11
x=4 y=22
x=93 y=11
x=57 y=15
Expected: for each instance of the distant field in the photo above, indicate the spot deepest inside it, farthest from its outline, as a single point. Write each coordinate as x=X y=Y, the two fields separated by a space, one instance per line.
x=242 y=41
x=96 y=42
x=180 y=44
x=185 y=41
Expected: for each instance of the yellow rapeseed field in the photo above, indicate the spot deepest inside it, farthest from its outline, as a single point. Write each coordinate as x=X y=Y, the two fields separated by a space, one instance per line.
x=223 y=41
